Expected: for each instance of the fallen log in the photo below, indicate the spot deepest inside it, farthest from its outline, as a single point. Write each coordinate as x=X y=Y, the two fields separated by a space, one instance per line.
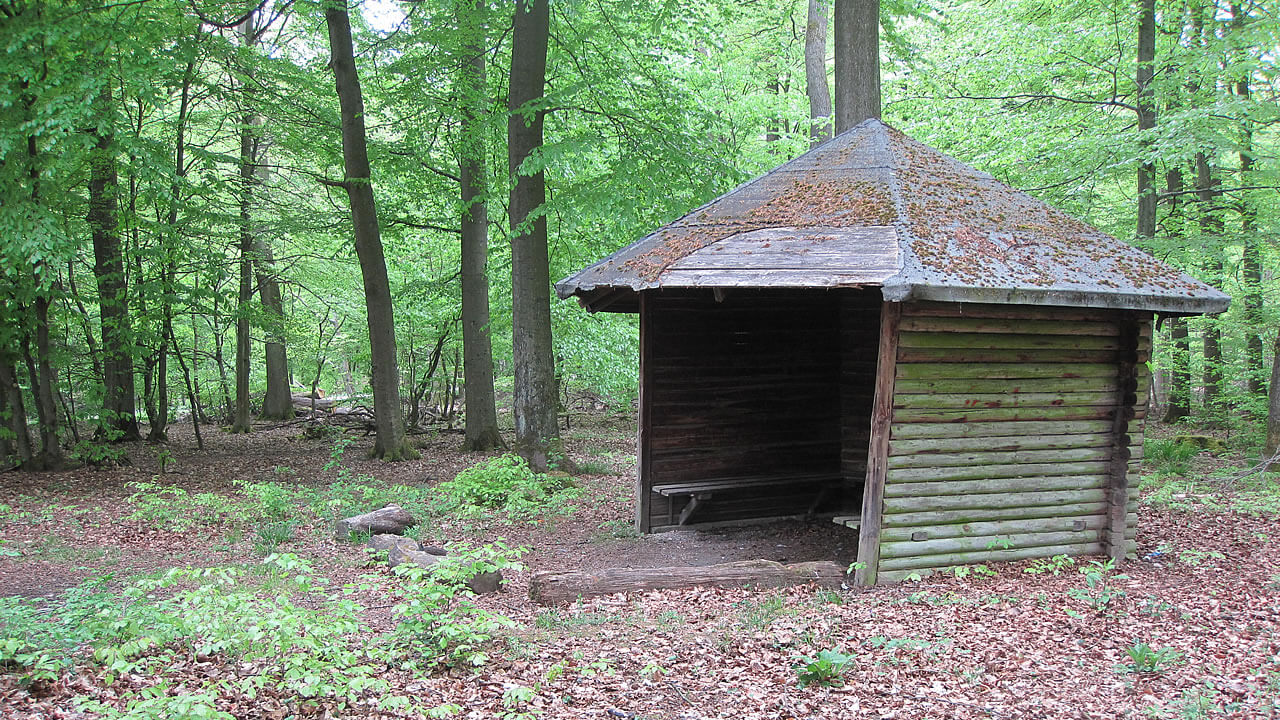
x=390 y=520
x=549 y=588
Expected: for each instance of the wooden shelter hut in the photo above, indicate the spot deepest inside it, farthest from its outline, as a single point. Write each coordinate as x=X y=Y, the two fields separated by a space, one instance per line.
x=878 y=332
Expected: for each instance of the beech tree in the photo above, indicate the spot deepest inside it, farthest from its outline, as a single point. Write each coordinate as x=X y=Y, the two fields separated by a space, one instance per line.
x=391 y=442
x=536 y=391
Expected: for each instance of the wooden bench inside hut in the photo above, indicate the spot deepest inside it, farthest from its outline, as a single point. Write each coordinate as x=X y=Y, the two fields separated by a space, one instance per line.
x=880 y=334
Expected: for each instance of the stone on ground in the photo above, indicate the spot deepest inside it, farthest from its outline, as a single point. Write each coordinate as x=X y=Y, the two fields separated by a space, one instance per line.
x=390 y=520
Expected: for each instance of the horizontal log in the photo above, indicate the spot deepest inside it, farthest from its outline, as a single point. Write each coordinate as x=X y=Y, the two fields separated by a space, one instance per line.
x=1029 y=355
x=994 y=485
x=910 y=475
x=1010 y=370
x=939 y=503
x=981 y=415
x=1017 y=325
x=979 y=460
x=1000 y=527
x=974 y=401
x=928 y=519
x=985 y=543
x=908 y=431
x=549 y=588
x=1005 y=341
x=930 y=308
x=999 y=443
x=982 y=556
x=1005 y=385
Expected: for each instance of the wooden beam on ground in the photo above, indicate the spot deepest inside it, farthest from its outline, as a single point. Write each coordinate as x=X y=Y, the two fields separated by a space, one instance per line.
x=550 y=588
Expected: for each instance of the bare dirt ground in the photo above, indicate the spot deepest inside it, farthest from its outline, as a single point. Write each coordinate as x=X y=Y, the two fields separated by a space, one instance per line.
x=1004 y=644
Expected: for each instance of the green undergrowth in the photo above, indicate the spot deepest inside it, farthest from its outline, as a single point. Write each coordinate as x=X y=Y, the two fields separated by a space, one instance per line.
x=275 y=628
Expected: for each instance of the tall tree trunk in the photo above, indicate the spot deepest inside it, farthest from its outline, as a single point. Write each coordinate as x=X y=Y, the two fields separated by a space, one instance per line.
x=815 y=72
x=16 y=414
x=481 y=431
x=44 y=380
x=249 y=133
x=775 y=124
x=1211 y=233
x=1273 y=403
x=536 y=396
x=278 y=402
x=119 y=421
x=857 y=40
x=1146 y=119
x=1251 y=261
x=159 y=431
x=391 y=442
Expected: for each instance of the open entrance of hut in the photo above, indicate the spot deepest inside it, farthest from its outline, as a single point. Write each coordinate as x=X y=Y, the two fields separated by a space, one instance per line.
x=755 y=403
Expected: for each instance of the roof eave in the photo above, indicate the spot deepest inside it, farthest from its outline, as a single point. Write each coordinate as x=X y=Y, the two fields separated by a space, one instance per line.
x=1207 y=303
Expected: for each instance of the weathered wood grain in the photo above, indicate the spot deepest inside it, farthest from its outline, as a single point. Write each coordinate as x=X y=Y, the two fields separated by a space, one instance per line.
x=984 y=459
x=993 y=485
x=1019 y=312
x=982 y=556
x=908 y=431
x=982 y=401
x=1009 y=326
x=878 y=452
x=935 y=518
x=1000 y=500
x=1005 y=385
x=996 y=527
x=996 y=443
x=909 y=475
x=1008 y=370
x=980 y=543
x=1002 y=341
x=981 y=415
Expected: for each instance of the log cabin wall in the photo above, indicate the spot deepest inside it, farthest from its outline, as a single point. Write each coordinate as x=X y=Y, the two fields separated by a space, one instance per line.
x=1011 y=427
x=741 y=389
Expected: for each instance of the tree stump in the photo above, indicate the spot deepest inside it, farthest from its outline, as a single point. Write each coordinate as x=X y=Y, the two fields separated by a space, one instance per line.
x=549 y=588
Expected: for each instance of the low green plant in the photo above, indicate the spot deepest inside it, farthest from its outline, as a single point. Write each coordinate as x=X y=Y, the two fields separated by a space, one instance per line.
x=271 y=535
x=1100 y=590
x=1145 y=659
x=173 y=508
x=1168 y=457
x=824 y=669
x=594 y=467
x=506 y=483
x=1055 y=565
x=619 y=529
x=759 y=614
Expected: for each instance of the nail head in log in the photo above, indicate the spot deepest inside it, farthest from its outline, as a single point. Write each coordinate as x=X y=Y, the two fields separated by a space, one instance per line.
x=550 y=588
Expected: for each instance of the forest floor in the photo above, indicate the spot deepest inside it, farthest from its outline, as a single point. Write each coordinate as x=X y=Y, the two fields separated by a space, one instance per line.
x=93 y=626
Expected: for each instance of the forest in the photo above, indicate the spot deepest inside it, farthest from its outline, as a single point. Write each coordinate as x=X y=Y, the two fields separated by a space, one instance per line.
x=270 y=264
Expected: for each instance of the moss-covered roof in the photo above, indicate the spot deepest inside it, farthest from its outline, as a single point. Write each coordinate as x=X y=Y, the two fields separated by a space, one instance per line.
x=873 y=207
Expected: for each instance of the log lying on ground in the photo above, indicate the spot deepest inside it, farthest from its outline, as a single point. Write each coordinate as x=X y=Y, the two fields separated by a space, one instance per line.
x=306 y=403
x=391 y=519
x=549 y=588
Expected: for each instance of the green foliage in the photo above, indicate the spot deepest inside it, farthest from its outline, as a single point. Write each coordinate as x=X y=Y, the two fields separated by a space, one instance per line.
x=271 y=535
x=1055 y=565
x=824 y=669
x=1145 y=659
x=1169 y=457
x=171 y=507
x=1100 y=591
x=506 y=483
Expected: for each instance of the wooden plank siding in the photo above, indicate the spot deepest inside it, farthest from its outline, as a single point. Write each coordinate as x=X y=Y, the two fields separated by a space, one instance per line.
x=1013 y=431
x=768 y=385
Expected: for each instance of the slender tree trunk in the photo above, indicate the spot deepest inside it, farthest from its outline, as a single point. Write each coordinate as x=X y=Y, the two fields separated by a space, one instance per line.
x=536 y=397
x=815 y=72
x=1146 y=119
x=119 y=422
x=249 y=134
x=1251 y=261
x=16 y=420
x=857 y=40
x=391 y=442
x=1211 y=233
x=193 y=394
x=44 y=379
x=1273 y=402
x=773 y=128
x=481 y=432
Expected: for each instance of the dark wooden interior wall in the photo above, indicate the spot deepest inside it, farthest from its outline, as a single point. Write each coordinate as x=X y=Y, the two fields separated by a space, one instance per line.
x=748 y=387
x=859 y=339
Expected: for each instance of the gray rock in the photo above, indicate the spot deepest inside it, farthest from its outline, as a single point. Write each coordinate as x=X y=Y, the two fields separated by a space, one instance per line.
x=399 y=555
x=387 y=541
x=391 y=520
x=434 y=550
